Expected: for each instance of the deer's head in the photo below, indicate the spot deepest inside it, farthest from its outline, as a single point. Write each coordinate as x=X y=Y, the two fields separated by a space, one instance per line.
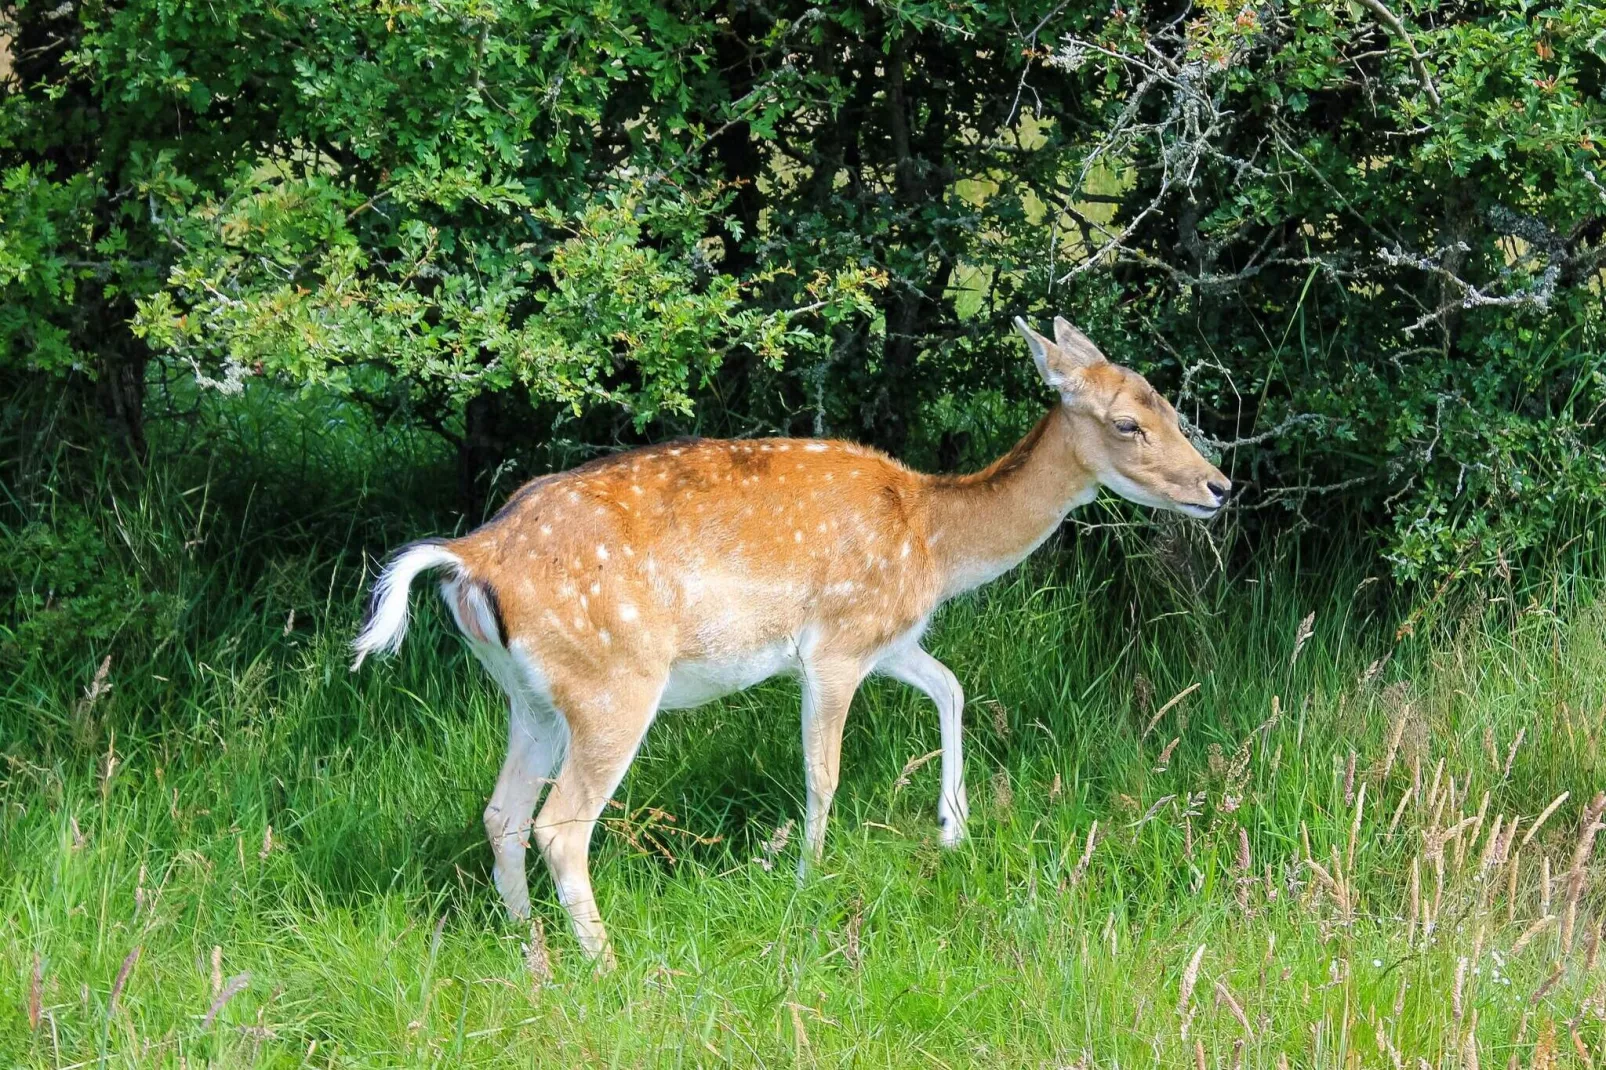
x=1126 y=434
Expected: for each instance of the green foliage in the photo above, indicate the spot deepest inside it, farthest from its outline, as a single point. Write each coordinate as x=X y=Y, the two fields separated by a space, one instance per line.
x=68 y=587
x=1362 y=249
x=1388 y=246
x=618 y=285
x=35 y=270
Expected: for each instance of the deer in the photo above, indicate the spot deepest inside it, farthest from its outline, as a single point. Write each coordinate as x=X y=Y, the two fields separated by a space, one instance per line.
x=668 y=576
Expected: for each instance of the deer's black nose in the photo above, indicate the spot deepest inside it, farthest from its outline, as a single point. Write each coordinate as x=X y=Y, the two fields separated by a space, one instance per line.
x=1220 y=490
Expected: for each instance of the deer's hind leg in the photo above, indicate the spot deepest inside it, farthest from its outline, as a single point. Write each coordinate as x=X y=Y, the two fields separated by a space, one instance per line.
x=607 y=717
x=536 y=734
x=536 y=738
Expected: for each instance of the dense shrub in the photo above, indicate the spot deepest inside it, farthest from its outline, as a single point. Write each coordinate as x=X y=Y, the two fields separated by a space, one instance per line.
x=1361 y=244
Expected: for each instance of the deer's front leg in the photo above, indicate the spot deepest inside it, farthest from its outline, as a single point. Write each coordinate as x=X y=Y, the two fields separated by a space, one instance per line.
x=925 y=673
x=828 y=687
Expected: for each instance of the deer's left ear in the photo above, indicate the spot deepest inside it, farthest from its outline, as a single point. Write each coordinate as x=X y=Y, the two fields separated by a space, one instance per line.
x=1060 y=360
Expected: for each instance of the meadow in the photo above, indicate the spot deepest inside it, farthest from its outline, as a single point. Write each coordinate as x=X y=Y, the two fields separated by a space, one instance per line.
x=1282 y=815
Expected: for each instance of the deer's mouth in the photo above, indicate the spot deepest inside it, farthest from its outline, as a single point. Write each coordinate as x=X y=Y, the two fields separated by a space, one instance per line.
x=1199 y=512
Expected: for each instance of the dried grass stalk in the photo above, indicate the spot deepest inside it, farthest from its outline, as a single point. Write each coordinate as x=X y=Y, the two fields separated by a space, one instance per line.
x=232 y=988
x=1458 y=988
x=1190 y=977
x=1307 y=628
x=1579 y=1046
x=1399 y=810
x=1087 y=855
x=1163 y=710
x=1355 y=827
x=1242 y=865
x=1477 y=830
x=1224 y=994
x=1395 y=736
x=1438 y=893
x=1333 y=885
x=1432 y=799
x=1416 y=901
x=1575 y=874
x=1505 y=844
x=1530 y=932
x=1544 y=1055
x=914 y=763
x=122 y=977
x=537 y=958
x=1511 y=755
x=1490 y=846
x=36 y=992
x=1469 y=1044
x=1543 y=815
x=1544 y=989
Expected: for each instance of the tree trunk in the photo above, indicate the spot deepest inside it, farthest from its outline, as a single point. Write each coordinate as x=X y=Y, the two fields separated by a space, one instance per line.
x=120 y=392
x=481 y=451
x=921 y=176
x=740 y=159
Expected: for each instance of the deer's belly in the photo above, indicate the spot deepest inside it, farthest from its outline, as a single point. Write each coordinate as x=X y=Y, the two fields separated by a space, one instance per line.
x=694 y=682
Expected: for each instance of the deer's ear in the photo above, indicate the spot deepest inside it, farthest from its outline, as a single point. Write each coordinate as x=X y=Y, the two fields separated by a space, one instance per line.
x=1045 y=355
x=1077 y=347
x=1057 y=363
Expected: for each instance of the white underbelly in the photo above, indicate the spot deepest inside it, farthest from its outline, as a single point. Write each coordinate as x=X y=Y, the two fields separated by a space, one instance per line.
x=692 y=683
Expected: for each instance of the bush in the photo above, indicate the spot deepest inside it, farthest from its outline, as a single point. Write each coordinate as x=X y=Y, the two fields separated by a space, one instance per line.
x=1361 y=246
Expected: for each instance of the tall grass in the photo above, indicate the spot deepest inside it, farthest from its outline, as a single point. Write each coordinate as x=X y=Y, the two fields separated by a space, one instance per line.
x=1214 y=823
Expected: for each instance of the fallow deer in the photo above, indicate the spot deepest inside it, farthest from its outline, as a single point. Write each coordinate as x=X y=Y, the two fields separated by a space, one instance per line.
x=668 y=576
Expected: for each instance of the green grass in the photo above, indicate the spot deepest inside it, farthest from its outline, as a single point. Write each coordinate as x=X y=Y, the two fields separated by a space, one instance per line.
x=135 y=833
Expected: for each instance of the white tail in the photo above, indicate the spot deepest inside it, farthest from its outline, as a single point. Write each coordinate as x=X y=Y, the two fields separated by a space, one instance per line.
x=665 y=577
x=387 y=615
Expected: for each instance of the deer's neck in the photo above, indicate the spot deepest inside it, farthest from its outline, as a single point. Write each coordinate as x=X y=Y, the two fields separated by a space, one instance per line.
x=985 y=524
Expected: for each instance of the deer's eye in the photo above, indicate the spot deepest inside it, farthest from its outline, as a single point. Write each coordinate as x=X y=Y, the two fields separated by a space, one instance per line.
x=1127 y=427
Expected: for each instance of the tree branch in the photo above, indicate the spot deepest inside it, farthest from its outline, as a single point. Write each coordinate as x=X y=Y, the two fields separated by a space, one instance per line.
x=1397 y=27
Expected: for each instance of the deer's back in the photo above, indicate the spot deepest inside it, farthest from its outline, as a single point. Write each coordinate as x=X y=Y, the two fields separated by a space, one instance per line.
x=710 y=549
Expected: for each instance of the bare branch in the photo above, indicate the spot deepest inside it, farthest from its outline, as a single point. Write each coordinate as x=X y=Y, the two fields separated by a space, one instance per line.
x=1288 y=424
x=1395 y=26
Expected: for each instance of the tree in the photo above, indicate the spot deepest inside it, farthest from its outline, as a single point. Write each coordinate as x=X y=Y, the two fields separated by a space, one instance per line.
x=1362 y=245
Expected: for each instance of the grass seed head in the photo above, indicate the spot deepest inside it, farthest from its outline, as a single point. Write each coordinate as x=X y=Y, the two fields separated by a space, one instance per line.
x=1543 y=815
x=122 y=976
x=1307 y=628
x=36 y=991
x=1575 y=874
x=1003 y=793
x=233 y=987
x=537 y=957
x=1190 y=977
